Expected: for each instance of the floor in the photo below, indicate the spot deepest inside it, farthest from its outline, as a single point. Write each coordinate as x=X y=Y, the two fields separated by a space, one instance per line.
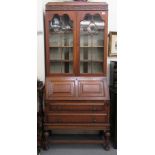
x=78 y=149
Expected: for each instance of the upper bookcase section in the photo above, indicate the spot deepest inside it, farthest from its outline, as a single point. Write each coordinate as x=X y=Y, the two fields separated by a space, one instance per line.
x=80 y=6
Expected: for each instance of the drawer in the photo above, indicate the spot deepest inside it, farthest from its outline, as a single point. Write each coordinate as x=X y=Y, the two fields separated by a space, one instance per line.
x=77 y=107
x=76 y=118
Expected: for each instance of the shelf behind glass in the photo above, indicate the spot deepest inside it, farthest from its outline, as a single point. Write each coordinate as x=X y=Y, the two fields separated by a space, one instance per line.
x=97 y=67
x=61 y=32
x=60 y=60
x=91 y=46
x=99 y=61
x=61 y=67
x=91 y=68
x=92 y=54
x=85 y=67
x=61 y=54
x=55 y=67
x=61 y=40
x=88 y=40
x=51 y=46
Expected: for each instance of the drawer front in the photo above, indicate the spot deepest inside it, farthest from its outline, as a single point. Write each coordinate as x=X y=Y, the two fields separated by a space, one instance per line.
x=74 y=107
x=76 y=118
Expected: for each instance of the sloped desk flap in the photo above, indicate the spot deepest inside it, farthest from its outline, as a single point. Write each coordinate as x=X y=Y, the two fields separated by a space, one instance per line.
x=77 y=88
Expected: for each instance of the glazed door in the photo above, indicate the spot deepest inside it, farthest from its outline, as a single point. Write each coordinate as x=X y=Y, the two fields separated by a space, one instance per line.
x=92 y=39
x=60 y=41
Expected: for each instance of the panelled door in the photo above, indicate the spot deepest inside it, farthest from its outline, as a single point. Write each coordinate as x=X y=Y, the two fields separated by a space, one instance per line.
x=76 y=43
x=60 y=42
x=92 y=41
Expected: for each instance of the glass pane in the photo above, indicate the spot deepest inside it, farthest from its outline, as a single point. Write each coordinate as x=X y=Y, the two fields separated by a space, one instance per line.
x=67 y=67
x=97 y=54
x=85 y=54
x=55 y=53
x=61 y=44
x=97 y=67
x=55 y=67
x=91 y=44
x=67 y=54
x=85 y=67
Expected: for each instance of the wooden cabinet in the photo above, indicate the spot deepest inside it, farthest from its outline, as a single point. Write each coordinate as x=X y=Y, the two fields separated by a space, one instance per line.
x=76 y=90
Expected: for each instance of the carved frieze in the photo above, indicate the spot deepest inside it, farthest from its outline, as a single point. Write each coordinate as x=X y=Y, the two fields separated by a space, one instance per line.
x=52 y=7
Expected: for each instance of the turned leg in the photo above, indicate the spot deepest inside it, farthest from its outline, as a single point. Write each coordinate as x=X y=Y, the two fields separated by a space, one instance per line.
x=107 y=140
x=46 y=142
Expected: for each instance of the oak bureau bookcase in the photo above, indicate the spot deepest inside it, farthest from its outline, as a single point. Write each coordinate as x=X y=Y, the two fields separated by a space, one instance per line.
x=76 y=90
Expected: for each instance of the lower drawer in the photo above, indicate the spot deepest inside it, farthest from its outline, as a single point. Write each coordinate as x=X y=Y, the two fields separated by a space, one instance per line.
x=77 y=107
x=76 y=118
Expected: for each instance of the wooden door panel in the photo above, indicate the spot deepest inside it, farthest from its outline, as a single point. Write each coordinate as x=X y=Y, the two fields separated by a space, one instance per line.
x=76 y=88
x=92 y=87
x=89 y=69
x=50 y=64
x=60 y=87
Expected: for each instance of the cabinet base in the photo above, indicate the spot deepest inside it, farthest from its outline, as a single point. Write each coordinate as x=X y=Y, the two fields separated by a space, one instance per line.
x=78 y=139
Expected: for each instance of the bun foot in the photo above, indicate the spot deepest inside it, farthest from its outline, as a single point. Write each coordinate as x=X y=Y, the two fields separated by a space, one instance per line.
x=107 y=140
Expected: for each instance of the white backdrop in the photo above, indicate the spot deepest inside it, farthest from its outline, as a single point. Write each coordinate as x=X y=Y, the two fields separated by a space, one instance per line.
x=112 y=26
